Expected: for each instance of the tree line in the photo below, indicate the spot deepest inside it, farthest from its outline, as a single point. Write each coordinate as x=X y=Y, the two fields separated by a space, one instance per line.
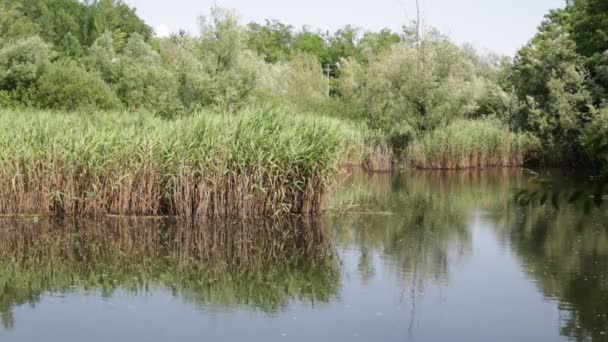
x=99 y=55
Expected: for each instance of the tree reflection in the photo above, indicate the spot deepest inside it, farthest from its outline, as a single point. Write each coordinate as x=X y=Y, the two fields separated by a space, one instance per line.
x=566 y=252
x=258 y=264
x=418 y=219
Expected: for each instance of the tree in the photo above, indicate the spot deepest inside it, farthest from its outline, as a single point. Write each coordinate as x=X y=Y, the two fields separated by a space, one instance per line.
x=65 y=85
x=56 y=19
x=21 y=64
x=272 y=40
x=231 y=67
x=102 y=58
x=13 y=24
x=113 y=16
x=300 y=81
x=144 y=83
x=343 y=44
x=72 y=25
x=588 y=25
x=550 y=78
x=398 y=87
x=374 y=43
x=313 y=44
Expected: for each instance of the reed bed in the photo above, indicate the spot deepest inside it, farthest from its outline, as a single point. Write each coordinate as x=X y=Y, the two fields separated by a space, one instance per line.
x=366 y=149
x=466 y=144
x=257 y=163
x=379 y=156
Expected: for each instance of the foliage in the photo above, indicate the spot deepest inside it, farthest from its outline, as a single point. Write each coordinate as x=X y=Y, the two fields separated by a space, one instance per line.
x=72 y=26
x=559 y=81
x=418 y=87
x=143 y=82
x=13 y=24
x=230 y=66
x=65 y=85
x=400 y=85
x=300 y=81
x=272 y=40
x=21 y=64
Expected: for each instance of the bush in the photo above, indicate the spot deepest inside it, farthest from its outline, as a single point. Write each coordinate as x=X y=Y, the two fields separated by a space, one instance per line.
x=22 y=61
x=421 y=87
x=65 y=85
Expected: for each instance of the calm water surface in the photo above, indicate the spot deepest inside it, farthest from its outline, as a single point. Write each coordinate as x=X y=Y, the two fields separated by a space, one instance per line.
x=412 y=257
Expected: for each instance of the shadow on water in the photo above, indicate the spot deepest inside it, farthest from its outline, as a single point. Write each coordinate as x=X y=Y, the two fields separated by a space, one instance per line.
x=259 y=264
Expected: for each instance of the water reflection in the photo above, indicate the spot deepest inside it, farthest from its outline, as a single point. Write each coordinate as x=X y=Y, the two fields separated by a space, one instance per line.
x=421 y=220
x=428 y=256
x=422 y=224
x=258 y=264
x=566 y=253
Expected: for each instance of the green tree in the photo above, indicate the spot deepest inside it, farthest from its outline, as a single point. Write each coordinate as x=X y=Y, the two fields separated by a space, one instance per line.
x=102 y=58
x=21 y=64
x=272 y=40
x=144 y=83
x=182 y=54
x=231 y=67
x=65 y=85
x=113 y=16
x=343 y=44
x=374 y=43
x=313 y=44
x=550 y=78
x=56 y=19
x=72 y=25
x=13 y=24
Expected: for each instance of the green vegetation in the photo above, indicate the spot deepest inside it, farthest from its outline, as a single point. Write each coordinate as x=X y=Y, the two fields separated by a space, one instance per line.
x=255 y=163
x=560 y=80
x=97 y=55
x=411 y=98
x=469 y=144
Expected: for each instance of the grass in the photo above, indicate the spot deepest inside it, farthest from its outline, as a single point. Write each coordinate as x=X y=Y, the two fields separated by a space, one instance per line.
x=255 y=163
x=466 y=144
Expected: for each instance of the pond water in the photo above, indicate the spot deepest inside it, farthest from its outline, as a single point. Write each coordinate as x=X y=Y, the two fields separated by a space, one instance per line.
x=419 y=256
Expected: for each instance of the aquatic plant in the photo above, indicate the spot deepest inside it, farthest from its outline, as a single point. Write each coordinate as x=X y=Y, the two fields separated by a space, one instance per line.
x=467 y=144
x=259 y=162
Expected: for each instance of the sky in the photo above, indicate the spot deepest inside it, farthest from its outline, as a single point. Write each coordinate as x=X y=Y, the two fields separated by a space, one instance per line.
x=500 y=26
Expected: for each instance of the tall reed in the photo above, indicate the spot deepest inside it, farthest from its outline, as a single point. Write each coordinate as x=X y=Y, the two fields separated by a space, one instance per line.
x=255 y=163
x=466 y=144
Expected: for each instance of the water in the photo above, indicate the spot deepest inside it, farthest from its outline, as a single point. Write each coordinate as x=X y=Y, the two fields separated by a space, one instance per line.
x=412 y=257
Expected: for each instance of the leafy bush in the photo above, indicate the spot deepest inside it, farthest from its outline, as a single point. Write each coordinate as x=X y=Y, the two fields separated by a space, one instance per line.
x=146 y=87
x=22 y=61
x=65 y=85
x=417 y=85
